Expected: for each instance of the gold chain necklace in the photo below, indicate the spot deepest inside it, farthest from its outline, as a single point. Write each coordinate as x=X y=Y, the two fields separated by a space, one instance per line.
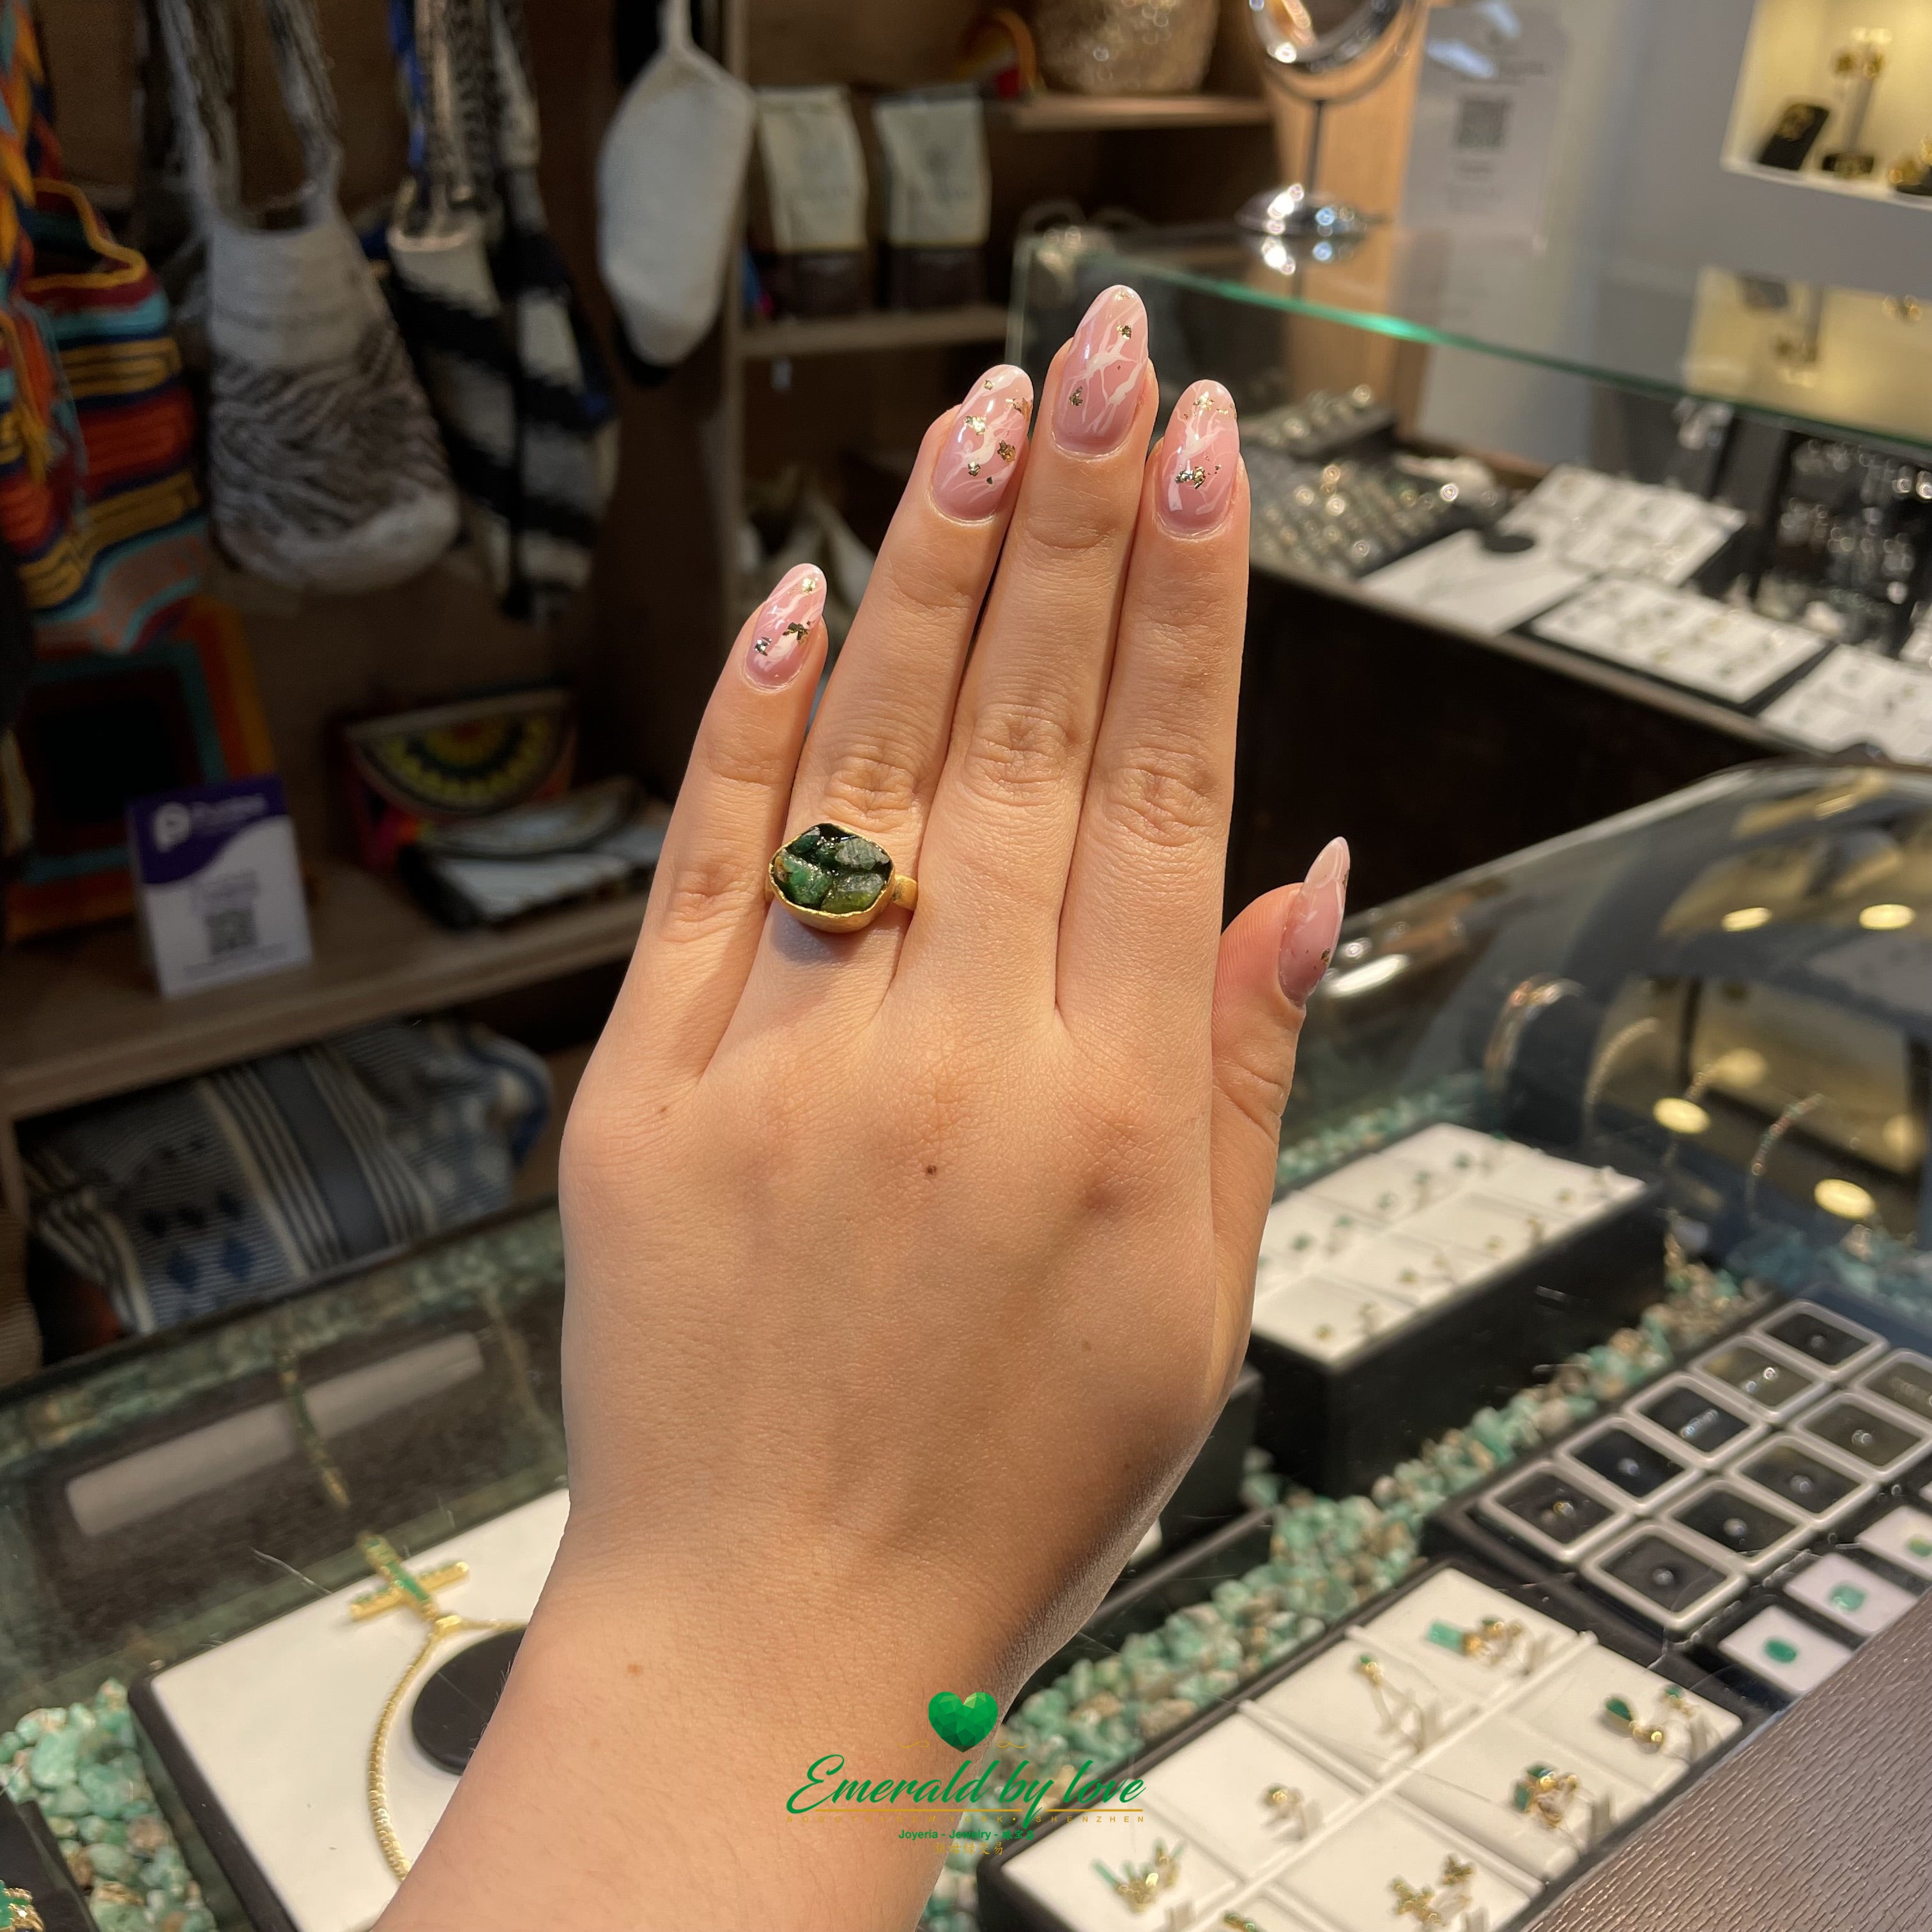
x=403 y=1587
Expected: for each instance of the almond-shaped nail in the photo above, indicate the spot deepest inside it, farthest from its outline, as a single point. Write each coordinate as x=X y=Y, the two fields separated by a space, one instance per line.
x=1100 y=376
x=1314 y=921
x=976 y=466
x=783 y=628
x=1200 y=457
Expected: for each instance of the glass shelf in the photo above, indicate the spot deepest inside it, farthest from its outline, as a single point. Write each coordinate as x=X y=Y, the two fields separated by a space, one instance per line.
x=1840 y=361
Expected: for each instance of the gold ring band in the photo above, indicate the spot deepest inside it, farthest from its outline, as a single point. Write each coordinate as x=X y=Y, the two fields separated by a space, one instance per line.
x=836 y=879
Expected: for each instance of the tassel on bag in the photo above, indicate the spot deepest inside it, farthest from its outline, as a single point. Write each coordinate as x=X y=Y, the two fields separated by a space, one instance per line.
x=324 y=465
x=487 y=308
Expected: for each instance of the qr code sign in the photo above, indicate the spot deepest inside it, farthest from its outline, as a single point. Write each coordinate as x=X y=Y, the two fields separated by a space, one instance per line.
x=232 y=931
x=1482 y=124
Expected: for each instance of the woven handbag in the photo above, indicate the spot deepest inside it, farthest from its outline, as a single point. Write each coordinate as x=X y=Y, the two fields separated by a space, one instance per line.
x=486 y=307
x=324 y=465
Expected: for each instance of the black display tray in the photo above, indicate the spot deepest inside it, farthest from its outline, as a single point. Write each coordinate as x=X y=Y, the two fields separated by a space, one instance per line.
x=30 y=1858
x=1004 y=1907
x=1336 y=1429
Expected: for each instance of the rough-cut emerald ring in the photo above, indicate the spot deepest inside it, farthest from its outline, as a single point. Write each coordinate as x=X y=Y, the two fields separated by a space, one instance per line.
x=837 y=879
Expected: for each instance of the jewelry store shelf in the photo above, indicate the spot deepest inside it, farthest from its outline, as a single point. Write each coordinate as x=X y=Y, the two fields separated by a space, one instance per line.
x=1869 y=188
x=1084 y=113
x=1577 y=665
x=873 y=329
x=80 y=1018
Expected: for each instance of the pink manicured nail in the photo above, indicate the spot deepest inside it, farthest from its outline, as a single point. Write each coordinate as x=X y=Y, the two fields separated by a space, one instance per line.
x=1200 y=457
x=784 y=628
x=976 y=467
x=1100 y=379
x=1308 y=940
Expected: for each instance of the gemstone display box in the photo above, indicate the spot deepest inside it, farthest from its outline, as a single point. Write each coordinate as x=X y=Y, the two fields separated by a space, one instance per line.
x=1765 y=1511
x=1400 y=1292
x=1392 y=1787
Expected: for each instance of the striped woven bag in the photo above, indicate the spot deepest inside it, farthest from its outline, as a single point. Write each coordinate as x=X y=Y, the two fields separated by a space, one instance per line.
x=98 y=498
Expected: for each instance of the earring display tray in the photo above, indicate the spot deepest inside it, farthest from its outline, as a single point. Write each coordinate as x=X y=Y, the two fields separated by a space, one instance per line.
x=1793 y=1500
x=1401 y=1292
x=1319 y=1793
x=267 y=1736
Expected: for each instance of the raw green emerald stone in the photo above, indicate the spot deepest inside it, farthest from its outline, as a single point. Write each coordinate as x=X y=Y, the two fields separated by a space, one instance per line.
x=1619 y=1709
x=1781 y=1650
x=827 y=869
x=1848 y=1596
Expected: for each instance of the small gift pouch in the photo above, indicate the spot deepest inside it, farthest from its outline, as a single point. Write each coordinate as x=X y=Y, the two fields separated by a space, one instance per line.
x=938 y=196
x=813 y=176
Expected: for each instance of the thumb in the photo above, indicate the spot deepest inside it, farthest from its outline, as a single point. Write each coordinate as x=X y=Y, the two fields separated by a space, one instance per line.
x=1271 y=959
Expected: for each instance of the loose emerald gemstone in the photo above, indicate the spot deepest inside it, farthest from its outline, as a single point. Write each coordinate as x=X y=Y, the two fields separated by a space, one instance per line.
x=1920 y=1545
x=828 y=869
x=1447 y=1635
x=1521 y=1795
x=1781 y=1650
x=801 y=881
x=1848 y=1596
x=1620 y=1709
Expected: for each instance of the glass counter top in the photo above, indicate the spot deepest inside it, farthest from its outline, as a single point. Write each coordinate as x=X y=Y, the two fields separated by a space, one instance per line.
x=1841 y=361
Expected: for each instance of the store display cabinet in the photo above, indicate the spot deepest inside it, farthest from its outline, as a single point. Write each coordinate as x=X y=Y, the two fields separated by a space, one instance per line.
x=1545 y=527
x=1591 y=1382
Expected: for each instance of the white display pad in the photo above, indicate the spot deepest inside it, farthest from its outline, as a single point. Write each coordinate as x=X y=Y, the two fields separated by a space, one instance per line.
x=1331 y=1702
x=1682 y=637
x=1904 y=1537
x=1215 y=1787
x=1855 y=698
x=1567 y=1709
x=1459 y=581
x=1270 y=1914
x=1601 y=523
x=1470 y=1785
x=1061 y=1871
x=1855 y=1598
x=279 y=1721
x=1348 y=1879
x=1785 y=1652
x=1435 y=1216
x=1457 y=1600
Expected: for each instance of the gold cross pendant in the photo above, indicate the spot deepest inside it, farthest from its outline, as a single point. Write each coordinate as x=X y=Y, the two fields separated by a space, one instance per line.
x=402 y=1586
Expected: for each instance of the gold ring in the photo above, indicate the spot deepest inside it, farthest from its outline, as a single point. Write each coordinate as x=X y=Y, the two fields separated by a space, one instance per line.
x=837 y=879
x=16 y=1911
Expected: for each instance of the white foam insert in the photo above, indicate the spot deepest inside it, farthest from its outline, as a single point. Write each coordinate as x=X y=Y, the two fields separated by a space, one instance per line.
x=1850 y=1595
x=1327 y=1319
x=1563 y=1192
x=1785 y=1652
x=1567 y=1710
x=1213 y=1790
x=1059 y=1870
x=279 y=1721
x=1470 y=1785
x=1453 y=1597
x=1904 y=1537
x=1268 y=1913
x=1331 y=1702
x=1376 y=1188
x=1415 y=1272
x=1452 y=1150
x=1349 y=1878
x=1479 y=1224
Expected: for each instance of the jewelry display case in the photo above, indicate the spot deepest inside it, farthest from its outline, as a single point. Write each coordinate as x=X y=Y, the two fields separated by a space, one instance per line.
x=1679 y=1067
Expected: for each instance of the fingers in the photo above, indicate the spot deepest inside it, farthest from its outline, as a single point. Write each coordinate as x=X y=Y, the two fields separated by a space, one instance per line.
x=707 y=903
x=1009 y=799
x=1143 y=906
x=1271 y=959
x=879 y=740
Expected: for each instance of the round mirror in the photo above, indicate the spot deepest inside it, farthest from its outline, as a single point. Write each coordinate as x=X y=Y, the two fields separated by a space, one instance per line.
x=1320 y=36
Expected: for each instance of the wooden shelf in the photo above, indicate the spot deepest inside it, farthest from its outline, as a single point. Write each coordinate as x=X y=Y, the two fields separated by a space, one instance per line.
x=80 y=1017
x=1085 y=113
x=871 y=329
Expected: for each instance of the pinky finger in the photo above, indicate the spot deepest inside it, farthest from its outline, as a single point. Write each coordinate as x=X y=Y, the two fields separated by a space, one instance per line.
x=708 y=901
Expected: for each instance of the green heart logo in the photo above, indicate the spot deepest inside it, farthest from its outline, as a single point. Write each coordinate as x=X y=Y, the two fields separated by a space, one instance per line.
x=963 y=1721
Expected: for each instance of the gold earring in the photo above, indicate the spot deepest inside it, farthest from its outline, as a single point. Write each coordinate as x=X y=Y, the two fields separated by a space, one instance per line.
x=1545 y=1796
x=1288 y=1807
x=1398 y=1710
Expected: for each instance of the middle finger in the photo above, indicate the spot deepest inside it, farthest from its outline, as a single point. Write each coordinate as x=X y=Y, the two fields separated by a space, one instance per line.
x=1005 y=816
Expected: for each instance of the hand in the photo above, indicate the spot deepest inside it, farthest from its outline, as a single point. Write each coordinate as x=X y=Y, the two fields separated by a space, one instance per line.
x=907 y=1270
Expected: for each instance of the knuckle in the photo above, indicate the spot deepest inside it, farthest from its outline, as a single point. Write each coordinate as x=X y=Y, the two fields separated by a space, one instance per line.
x=1257 y=1079
x=1068 y=528
x=735 y=759
x=1170 y=796
x=1016 y=750
x=926 y=595
x=701 y=893
x=869 y=784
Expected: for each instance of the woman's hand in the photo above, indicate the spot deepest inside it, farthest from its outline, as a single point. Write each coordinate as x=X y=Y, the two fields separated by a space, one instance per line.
x=906 y=1269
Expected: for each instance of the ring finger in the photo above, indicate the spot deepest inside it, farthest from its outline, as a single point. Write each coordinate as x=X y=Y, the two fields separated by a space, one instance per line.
x=874 y=755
